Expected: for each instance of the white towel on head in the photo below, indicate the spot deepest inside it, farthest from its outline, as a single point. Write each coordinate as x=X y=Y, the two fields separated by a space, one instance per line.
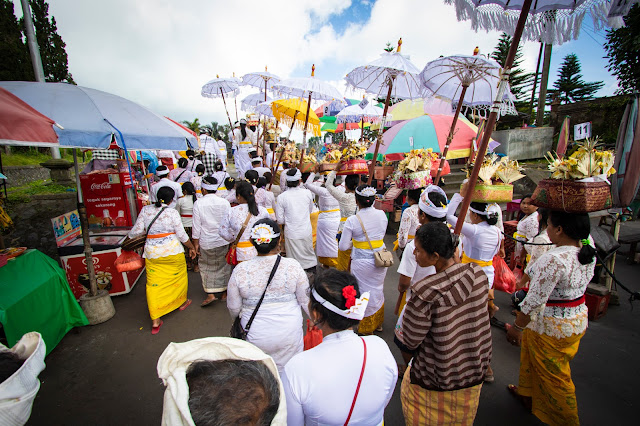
x=176 y=358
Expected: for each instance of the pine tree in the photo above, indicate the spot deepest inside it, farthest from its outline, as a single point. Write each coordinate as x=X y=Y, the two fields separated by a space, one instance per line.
x=570 y=87
x=15 y=63
x=519 y=80
x=623 y=52
x=52 y=48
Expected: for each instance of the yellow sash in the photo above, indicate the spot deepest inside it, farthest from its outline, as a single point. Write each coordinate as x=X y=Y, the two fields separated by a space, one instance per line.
x=245 y=244
x=245 y=143
x=221 y=188
x=517 y=235
x=271 y=211
x=198 y=191
x=343 y=219
x=396 y=245
x=331 y=211
x=482 y=263
x=363 y=245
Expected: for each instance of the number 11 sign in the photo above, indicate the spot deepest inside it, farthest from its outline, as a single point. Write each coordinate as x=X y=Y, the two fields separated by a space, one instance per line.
x=582 y=131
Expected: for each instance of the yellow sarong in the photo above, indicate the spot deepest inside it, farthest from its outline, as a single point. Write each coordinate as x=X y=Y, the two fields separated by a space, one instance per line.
x=344 y=257
x=369 y=324
x=331 y=262
x=427 y=407
x=166 y=284
x=545 y=376
x=313 y=217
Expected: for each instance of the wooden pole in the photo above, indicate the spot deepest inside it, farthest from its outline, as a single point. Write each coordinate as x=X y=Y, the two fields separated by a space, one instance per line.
x=379 y=139
x=304 y=131
x=544 y=82
x=362 y=129
x=450 y=136
x=473 y=179
x=273 y=172
x=236 y=104
x=225 y=109
x=535 y=84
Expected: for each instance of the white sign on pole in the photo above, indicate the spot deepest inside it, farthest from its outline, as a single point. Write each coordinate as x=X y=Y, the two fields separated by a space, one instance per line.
x=326 y=110
x=582 y=131
x=363 y=104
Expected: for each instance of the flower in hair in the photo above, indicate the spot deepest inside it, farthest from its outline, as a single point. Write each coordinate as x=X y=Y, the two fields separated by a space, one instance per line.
x=263 y=234
x=349 y=293
x=367 y=192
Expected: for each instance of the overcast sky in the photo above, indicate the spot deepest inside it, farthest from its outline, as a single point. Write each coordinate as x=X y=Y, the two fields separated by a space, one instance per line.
x=160 y=52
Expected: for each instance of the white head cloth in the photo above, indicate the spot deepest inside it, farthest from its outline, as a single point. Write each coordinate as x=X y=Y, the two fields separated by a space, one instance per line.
x=356 y=312
x=367 y=191
x=263 y=233
x=295 y=177
x=427 y=206
x=162 y=172
x=177 y=357
x=492 y=210
x=208 y=186
x=243 y=121
x=18 y=392
x=256 y=160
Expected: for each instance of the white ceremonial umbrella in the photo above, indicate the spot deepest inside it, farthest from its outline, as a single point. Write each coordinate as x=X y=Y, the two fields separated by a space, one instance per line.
x=249 y=103
x=218 y=87
x=392 y=72
x=311 y=88
x=262 y=80
x=550 y=21
x=364 y=111
x=466 y=80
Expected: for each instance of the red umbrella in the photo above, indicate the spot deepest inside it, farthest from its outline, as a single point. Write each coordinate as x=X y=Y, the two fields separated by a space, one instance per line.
x=20 y=124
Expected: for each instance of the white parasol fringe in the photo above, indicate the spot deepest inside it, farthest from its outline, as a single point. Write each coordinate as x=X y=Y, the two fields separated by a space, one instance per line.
x=552 y=27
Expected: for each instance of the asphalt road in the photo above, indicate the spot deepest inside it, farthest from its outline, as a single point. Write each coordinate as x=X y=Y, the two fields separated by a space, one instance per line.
x=106 y=374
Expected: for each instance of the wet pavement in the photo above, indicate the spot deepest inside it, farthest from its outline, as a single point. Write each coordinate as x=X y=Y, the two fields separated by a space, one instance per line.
x=106 y=374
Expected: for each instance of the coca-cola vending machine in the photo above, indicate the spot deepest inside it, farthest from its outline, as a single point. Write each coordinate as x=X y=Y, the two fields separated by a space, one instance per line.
x=110 y=200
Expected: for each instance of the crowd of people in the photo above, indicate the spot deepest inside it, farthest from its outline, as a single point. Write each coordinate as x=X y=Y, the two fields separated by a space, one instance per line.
x=308 y=246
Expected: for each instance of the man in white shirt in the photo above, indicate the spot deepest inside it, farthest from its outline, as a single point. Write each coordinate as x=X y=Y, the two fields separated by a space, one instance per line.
x=292 y=212
x=162 y=172
x=347 y=200
x=256 y=164
x=208 y=213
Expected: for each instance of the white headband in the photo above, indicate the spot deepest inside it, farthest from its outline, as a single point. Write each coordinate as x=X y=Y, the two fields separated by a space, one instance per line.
x=492 y=210
x=355 y=312
x=263 y=234
x=427 y=206
x=295 y=177
x=208 y=186
x=162 y=172
x=367 y=191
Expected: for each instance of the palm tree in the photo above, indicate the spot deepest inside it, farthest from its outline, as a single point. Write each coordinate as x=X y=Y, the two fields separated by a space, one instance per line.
x=193 y=125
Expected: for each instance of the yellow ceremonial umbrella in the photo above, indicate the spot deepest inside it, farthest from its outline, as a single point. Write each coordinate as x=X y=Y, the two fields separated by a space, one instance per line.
x=293 y=112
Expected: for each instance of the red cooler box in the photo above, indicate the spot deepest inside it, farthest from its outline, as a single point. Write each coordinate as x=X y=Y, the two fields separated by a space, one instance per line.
x=109 y=198
x=106 y=248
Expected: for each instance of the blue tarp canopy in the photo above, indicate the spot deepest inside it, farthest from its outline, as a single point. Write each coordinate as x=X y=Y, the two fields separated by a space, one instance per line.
x=89 y=117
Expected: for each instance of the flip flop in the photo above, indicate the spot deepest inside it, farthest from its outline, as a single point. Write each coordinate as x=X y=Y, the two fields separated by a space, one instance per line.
x=185 y=305
x=524 y=400
x=156 y=330
x=208 y=302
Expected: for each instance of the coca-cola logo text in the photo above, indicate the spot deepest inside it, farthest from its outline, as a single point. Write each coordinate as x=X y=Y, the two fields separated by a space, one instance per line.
x=103 y=188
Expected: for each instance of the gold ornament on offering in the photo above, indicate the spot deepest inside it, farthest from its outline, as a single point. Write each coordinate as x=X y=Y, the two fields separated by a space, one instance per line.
x=496 y=170
x=585 y=162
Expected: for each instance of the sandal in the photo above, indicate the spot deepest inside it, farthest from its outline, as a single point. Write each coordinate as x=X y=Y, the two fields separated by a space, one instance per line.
x=489 y=377
x=206 y=302
x=185 y=305
x=156 y=330
x=524 y=400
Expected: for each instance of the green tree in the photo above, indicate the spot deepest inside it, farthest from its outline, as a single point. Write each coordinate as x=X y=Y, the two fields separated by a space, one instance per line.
x=15 y=63
x=521 y=82
x=193 y=125
x=623 y=52
x=570 y=87
x=52 y=48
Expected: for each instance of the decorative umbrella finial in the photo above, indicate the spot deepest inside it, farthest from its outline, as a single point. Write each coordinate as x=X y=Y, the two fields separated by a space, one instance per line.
x=399 y=45
x=234 y=75
x=265 y=68
x=476 y=51
x=313 y=70
x=217 y=75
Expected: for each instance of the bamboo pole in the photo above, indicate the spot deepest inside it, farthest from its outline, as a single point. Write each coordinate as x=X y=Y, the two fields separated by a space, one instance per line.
x=491 y=121
x=225 y=109
x=450 y=135
x=84 y=225
x=264 y=130
x=535 y=83
x=379 y=139
x=362 y=129
x=304 y=131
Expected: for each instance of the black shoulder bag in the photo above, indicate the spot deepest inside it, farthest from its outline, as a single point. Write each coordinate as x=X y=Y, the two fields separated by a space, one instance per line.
x=237 y=331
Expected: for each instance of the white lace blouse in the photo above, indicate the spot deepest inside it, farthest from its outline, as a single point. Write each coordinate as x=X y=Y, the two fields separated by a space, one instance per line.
x=527 y=229
x=558 y=275
x=408 y=225
x=231 y=225
x=168 y=222
x=248 y=279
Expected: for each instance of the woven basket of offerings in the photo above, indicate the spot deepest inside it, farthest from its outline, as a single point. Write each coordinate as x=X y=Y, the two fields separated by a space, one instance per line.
x=496 y=193
x=572 y=196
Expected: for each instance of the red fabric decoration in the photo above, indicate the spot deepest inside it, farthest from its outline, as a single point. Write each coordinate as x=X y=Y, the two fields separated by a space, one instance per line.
x=313 y=337
x=349 y=293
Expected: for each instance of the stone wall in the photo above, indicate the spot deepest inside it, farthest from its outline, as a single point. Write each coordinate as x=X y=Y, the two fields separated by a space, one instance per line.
x=20 y=175
x=32 y=221
x=524 y=144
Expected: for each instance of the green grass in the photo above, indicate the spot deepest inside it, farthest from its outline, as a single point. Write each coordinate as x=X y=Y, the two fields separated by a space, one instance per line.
x=31 y=156
x=23 y=193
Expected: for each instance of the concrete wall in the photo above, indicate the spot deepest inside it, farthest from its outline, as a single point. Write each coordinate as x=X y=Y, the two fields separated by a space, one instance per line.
x=20 y=175
x=524 y=144
x=32 y=221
